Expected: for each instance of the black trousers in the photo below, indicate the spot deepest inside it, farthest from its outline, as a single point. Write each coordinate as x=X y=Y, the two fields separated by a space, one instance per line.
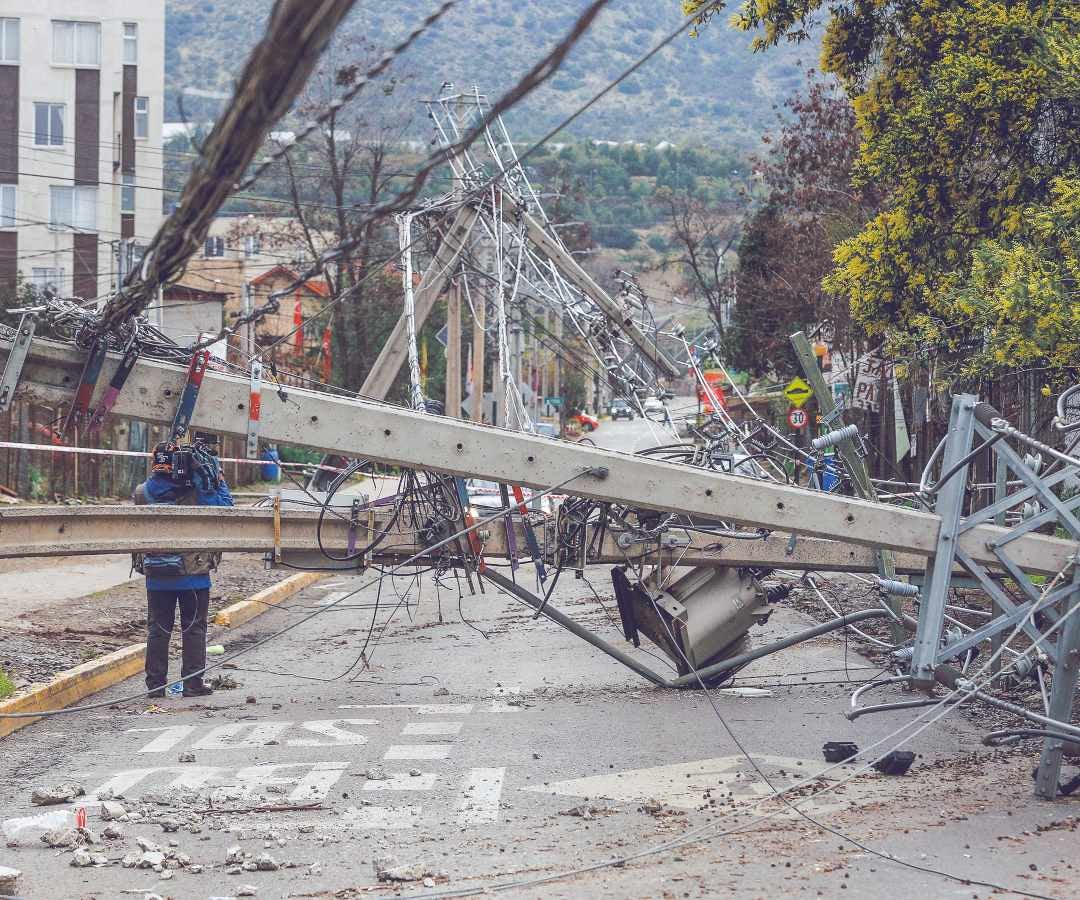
x=160 y=615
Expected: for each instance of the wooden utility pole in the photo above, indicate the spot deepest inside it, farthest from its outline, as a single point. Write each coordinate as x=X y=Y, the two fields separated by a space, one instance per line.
x=856 y=465
x=453 y=351
x=479 y=315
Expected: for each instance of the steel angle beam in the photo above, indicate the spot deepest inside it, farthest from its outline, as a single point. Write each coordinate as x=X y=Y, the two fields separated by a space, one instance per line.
x=365 y=429
x=573 y=272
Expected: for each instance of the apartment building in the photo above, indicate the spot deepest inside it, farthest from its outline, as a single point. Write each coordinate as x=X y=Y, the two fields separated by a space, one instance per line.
x=81 y=102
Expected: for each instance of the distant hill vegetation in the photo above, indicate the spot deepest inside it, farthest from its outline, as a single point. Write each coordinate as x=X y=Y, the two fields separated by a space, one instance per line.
x=711 y=89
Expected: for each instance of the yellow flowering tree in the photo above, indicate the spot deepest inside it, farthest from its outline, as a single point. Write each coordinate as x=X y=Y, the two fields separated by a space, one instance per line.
x=969 y=112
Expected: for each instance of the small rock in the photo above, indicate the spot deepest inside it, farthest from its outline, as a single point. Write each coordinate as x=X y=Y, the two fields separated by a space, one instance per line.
x=130 y=860
x=415 y=773
x=113 y=833
x=8 y=879
x=305 y=829
x=64 y=792
x=81 y=859
x=99 y=859
x=247 y=890
x=429 y=882
x=376 y=773
x=264 y=862
x=249 y=866
x=536 y=756
x=387 y=868
x=441 y=692
x=195 y=869
x=314 y=869
x=234 y=870
x=251 y=699
x=111 y=810
x=170 y=826
x=234 y=855
x=63 y=837
x=166 y=875
x=147 y=845
x=276 y=706
x=152 y=860
x=186 y=757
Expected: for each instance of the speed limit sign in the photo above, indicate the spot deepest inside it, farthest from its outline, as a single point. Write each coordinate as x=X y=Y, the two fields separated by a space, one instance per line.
x=797 y=418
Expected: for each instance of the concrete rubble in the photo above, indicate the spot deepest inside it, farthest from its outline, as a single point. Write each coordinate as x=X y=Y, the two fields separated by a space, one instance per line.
x=64 y=792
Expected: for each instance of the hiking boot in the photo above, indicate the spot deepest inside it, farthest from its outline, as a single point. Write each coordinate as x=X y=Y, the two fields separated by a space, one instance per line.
x=156 y=694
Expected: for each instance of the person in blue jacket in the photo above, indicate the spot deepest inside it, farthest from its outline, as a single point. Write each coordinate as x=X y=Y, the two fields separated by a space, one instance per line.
x=179 y=579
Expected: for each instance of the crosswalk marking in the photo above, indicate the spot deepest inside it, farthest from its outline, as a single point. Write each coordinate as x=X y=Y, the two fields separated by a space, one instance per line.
x=432 y=728
x=417 y=751
x=478 y=803
x=403 y=781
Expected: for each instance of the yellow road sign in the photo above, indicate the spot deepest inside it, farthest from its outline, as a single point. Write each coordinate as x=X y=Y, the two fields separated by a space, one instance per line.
x=798 y=392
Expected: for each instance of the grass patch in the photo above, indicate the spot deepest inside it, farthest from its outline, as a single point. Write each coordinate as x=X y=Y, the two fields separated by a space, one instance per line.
x=7 y=687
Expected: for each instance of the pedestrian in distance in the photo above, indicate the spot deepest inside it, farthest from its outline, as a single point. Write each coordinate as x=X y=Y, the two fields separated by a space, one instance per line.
x=181 y=476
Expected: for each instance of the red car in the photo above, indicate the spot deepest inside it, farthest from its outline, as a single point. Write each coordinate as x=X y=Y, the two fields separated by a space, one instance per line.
x=587 y=422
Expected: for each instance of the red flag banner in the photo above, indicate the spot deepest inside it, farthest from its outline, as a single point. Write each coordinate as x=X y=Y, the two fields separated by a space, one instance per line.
x=298 y=323
x=327 y=359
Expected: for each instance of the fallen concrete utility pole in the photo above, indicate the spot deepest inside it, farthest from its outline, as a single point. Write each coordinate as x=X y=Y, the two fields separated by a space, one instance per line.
x=365 y=429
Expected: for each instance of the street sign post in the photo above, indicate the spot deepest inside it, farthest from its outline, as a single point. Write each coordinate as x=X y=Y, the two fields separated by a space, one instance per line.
x=798 y=392
x=797 y=418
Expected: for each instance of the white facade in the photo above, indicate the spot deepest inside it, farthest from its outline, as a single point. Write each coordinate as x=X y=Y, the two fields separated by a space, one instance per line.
x=87 y=175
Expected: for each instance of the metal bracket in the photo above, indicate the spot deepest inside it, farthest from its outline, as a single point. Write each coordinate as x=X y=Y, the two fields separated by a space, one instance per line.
x=15 y=361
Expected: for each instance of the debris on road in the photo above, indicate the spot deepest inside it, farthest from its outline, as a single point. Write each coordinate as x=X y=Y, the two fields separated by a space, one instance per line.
x=388 y=868
x=895 y=763
x=64 y=792
x=9 y=880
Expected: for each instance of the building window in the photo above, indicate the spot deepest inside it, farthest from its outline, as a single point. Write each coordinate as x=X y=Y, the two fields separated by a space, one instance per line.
x=49 y=124
x=77 y=43
x=131 y=44
x=142 y=118
x=127 y=194
x=7 y=206
x=252 y=245
x=9 y=40
x=47 y=279
x=214 y=246
x=73 y=207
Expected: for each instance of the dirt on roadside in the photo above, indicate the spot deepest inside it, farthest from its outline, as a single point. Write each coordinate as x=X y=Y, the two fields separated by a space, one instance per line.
x=57 y=635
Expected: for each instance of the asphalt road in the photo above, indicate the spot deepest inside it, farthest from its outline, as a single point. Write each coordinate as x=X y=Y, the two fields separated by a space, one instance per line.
x=485 y=748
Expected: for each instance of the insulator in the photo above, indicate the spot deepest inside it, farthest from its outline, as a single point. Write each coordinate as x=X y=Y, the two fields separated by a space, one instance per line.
x=1030 y=510
x=1034 y=461
x=898 y=588
x=835 y=437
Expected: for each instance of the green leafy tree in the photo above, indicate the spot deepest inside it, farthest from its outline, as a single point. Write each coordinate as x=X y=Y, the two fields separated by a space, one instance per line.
x=969 y=112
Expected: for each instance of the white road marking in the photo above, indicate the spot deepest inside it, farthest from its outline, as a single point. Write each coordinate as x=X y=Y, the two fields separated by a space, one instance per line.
x=233 y=737
x=403 y=781
x=123 y=782
x=684 y=784
x=417 y=751
x=332 y=729
x=501 y=706
x=432 y=728
x=170 y=736
x=478 y=803
x=310 y=787
x=421 y=709
x=379 y=817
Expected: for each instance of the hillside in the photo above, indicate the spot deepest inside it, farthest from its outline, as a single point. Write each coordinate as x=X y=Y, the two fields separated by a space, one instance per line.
x=711 y=89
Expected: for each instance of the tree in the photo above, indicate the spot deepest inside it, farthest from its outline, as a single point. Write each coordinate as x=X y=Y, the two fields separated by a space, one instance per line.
x=786 y=249
x=702 y=235
x=969 y=111
x=332 y=180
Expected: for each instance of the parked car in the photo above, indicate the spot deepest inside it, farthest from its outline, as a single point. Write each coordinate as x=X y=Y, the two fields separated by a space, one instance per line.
x=587 y=422
x=546 y=429
x=620 y=409
x=654 y=408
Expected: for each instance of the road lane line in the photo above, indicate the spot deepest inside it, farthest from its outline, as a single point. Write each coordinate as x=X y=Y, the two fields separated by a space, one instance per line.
x=227 y=737
x=170 y=736
x=421 y=709
x=417 y=751
x=478 y=803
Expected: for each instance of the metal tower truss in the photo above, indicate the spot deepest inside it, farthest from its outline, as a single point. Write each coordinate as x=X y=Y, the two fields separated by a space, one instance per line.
x=1046 y=609
x=505 y=248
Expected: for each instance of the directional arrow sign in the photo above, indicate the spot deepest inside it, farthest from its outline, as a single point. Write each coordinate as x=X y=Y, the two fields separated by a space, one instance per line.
x=798 y=392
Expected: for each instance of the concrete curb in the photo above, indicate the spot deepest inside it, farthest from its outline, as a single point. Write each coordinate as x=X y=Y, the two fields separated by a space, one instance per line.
x=246 y=610
x=76 y=684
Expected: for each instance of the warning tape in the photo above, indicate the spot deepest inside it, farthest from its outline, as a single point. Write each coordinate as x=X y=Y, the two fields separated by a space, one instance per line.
x=96 y=451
